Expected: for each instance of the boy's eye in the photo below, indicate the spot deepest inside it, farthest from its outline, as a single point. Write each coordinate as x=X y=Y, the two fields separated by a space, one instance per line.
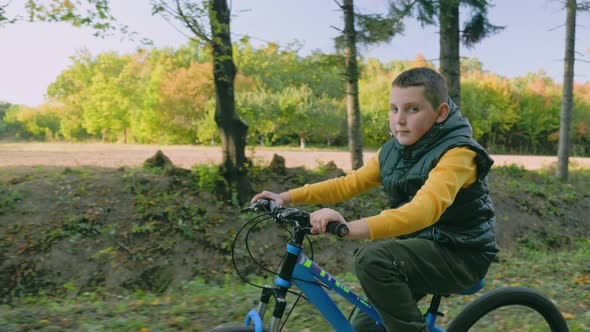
x=413 y=109
x=393 y=109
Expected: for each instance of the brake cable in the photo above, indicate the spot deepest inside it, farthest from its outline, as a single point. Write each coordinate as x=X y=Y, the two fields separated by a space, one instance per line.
x=252 y=223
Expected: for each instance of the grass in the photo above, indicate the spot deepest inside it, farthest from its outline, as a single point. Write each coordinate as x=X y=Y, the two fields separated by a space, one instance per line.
x=197 y=306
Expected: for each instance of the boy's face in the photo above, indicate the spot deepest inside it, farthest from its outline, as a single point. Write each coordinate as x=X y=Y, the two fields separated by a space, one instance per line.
x=411 y=115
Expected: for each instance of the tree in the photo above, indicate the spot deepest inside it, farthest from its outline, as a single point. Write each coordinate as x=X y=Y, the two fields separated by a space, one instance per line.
x=4 y=20
x=96 y=14
x=41 y=123
x=489 y=104
x=259 y=110
x=103 y=90
x=565 y=134
x=275 y=69
x=4 y=106
x=353 y=111
x=183 y=95
x=232 y=130
x=476 y=28
x=374 y=29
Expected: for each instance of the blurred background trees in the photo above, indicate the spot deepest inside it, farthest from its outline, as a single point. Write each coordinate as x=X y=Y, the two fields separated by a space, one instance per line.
x=168 y=96
x=164 y=96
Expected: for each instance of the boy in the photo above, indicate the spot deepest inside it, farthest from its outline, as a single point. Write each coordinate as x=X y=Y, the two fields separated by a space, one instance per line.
x=440 y=225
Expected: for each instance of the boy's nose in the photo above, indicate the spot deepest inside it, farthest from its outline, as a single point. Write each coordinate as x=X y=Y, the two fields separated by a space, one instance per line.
x=401 y=119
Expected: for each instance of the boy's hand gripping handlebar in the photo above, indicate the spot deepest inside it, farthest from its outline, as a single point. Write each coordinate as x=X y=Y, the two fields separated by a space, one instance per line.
x=337 y=228
x=294 y=217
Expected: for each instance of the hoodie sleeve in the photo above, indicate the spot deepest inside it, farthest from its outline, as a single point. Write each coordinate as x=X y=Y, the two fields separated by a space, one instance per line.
x=340 y=189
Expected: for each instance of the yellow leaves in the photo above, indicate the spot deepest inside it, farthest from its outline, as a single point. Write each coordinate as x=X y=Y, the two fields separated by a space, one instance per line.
x=165 y=301
x=195 y=82
x=538 y=86
x=582 y=279
x=568 y=316
x=272 y=48
x=184 y=92
x=244 y=83
x=68 y=5
x=419 y=61
x=199 y=300
x=467 y=298
x=515 y=281
x=144 y=329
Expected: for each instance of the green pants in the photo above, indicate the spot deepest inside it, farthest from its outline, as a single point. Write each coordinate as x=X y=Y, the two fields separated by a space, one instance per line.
x=395 y=274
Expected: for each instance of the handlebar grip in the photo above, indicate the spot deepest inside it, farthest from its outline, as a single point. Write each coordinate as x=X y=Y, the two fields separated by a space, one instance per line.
x=337 y=228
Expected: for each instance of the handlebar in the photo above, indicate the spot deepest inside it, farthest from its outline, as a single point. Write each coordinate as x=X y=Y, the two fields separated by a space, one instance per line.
x=294 y=217
x=337 y=228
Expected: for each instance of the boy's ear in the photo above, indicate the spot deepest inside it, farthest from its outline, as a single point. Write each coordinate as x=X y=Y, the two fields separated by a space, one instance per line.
x=443 y=112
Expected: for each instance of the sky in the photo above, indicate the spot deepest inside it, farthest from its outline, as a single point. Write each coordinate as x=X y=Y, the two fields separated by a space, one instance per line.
x=34 y=54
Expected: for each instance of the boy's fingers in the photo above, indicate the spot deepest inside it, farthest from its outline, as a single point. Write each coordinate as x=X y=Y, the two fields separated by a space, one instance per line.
x=264 y=194
x=319 y=220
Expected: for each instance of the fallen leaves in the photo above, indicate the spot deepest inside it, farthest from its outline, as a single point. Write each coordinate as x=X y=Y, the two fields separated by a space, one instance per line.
x=568 y=316
x=582 y=279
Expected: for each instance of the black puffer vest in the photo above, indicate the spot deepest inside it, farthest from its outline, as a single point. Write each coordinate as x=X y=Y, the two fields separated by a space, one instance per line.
x=469 y=221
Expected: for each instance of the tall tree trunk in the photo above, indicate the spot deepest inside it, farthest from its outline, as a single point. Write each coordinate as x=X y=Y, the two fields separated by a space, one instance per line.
x=231 y=129
x=353 y=109
x=450 y=67
x=565 y=125
x=301 y=142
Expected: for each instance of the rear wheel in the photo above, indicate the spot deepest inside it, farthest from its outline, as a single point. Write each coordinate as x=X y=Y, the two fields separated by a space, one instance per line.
x=505 y=297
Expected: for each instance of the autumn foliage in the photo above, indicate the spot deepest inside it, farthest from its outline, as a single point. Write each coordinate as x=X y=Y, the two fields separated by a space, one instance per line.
x=166 y=96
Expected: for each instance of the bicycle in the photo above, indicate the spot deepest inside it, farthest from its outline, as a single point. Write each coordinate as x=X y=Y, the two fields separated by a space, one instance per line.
x=300 y=270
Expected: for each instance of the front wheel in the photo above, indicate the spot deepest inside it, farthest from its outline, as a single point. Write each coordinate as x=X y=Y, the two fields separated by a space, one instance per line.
x=509 y=296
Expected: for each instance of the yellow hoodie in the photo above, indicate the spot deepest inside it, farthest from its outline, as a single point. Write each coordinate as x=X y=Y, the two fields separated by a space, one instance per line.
x=455 y=170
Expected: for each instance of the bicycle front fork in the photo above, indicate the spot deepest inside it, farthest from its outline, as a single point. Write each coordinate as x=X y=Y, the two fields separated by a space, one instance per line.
x=256 y=316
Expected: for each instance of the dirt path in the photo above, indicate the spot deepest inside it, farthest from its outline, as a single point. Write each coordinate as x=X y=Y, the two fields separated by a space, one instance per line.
x=117 y=155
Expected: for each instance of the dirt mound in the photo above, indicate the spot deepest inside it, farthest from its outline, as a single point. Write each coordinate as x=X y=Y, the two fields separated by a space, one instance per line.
x=65 y=231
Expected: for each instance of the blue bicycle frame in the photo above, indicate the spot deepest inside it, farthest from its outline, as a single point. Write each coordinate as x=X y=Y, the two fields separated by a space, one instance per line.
x=307 y=276
x=312 y=280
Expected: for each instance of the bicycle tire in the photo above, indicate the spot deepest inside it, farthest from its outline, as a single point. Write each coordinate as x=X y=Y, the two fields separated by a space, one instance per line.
x=509 y=296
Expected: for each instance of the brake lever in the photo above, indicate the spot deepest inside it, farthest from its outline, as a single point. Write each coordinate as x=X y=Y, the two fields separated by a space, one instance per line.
x=262 y=205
